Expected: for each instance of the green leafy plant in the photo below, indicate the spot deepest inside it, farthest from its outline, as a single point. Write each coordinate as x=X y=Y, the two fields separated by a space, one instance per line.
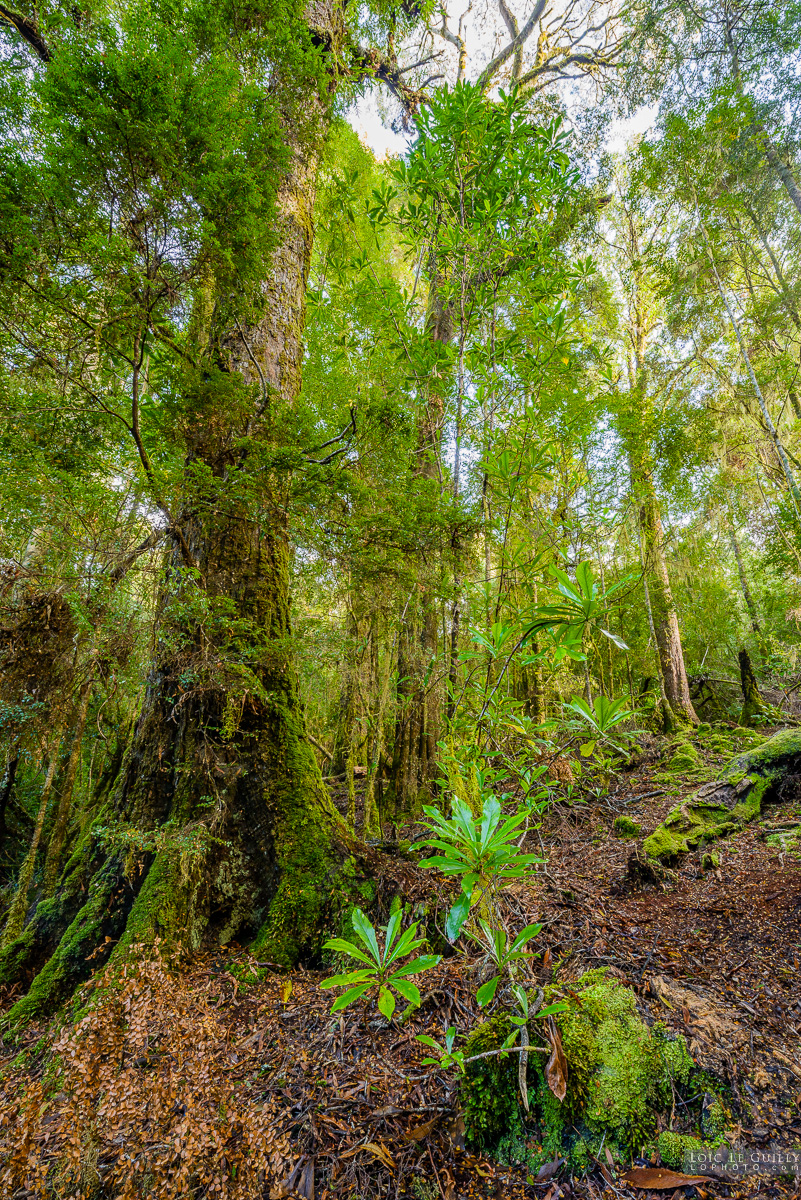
x=482 y=850
x=599 y=720
x=448 y=1056
x=383 y=971
x=504 y=955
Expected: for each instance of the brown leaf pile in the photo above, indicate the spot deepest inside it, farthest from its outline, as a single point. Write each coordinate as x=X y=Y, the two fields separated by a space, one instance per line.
x=146 y=1099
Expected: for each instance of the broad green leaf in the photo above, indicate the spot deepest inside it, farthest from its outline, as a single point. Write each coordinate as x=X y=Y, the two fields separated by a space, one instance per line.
x=416 y=965
x=347 y=980
x=344 y=947
x=364 y=930
x=487 y=991
x=386 y=1003
x=405 y=988
x=457 y=915
x=349 y=997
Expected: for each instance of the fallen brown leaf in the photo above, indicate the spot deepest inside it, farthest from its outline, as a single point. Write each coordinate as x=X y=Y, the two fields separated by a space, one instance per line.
x=421 y=1131
x=556 y=1069
x=659 y=1179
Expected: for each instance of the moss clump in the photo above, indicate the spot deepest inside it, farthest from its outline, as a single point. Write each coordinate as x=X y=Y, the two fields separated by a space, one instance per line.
x=674 y=1148
x=620 y=1074
x=685 y=758
x=489 y=1089
x=624 y=827
x=713 y=1118
x=747 y=737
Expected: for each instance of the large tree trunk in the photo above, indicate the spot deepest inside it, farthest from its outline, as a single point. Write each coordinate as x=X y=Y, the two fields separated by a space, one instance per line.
x=220 y=824
x=418 y=701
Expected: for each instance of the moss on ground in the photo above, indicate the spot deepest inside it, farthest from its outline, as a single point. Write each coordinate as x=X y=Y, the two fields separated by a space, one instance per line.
x=711 y=815
x=621 y=1074
x=674 y=1147
x=624 y=827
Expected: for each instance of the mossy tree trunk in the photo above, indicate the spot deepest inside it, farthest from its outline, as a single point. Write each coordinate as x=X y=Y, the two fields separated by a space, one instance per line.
x=220 y=824
x=752 y=700
x=418 y=702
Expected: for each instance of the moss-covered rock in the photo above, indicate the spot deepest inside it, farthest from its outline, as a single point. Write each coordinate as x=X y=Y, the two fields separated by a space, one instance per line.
x=724 y=806
x=625 y=827
x=620 y=1075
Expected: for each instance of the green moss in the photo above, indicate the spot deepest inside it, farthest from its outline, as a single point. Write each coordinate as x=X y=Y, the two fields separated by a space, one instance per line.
x=747 y=737
x=673 y=1147
x=69 y=964
x=710 y=861
x=624 y=827
x=489 y=1088
x=714 y=1120
x=620 y=1074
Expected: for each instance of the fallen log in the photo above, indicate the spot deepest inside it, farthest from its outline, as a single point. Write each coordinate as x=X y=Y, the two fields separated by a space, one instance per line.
x=725 y=805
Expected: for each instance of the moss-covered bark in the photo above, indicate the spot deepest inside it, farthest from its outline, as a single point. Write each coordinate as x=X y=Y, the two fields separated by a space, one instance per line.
x=724 y=806
x=752 y=700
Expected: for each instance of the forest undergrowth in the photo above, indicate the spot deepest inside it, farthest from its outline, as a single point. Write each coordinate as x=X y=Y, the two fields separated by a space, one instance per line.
x=235 y=1079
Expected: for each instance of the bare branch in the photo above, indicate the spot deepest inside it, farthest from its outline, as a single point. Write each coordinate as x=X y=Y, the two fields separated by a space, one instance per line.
x=486 y=77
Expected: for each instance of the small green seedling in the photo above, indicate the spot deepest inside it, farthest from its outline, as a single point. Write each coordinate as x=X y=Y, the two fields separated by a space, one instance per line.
x=384 y=970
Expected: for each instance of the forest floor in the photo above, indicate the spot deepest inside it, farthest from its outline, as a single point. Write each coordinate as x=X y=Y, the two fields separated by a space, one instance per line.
x=713 y=954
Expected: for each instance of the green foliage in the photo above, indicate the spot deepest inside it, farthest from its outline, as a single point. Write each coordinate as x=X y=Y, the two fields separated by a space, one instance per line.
x=482 y=851
x=599 y=719
x=384 y=971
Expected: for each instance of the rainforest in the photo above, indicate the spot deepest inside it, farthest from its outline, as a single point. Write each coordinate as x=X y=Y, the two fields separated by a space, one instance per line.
x=400 y=599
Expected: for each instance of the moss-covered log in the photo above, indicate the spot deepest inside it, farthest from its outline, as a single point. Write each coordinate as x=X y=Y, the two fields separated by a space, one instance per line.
x=735 y=798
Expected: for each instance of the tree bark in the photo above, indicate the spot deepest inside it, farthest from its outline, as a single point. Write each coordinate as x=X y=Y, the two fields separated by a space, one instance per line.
x=752 y=700
x=19 y=905
x=59 y=831
x=418 y=715
x=746 y=590
x=660 y=599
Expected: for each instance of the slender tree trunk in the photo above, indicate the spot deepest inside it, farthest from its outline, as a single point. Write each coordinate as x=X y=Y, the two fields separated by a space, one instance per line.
x=746 y=590
x=19 y=905
x=660 y=599
x=752 y=700
x=418 y=716
x=380 y=679
x=5 y=794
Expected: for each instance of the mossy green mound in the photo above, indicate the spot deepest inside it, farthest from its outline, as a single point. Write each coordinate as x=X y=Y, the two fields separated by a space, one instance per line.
x=620 y=1075
x=723 y=807
x=674 y=1148
x=624 y=827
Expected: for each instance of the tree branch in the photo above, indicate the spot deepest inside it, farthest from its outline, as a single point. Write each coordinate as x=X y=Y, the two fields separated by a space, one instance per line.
x=487 y=75
x=28 y=31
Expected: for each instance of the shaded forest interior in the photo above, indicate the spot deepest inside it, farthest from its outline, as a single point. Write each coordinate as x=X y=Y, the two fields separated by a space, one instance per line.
x=400 y=625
